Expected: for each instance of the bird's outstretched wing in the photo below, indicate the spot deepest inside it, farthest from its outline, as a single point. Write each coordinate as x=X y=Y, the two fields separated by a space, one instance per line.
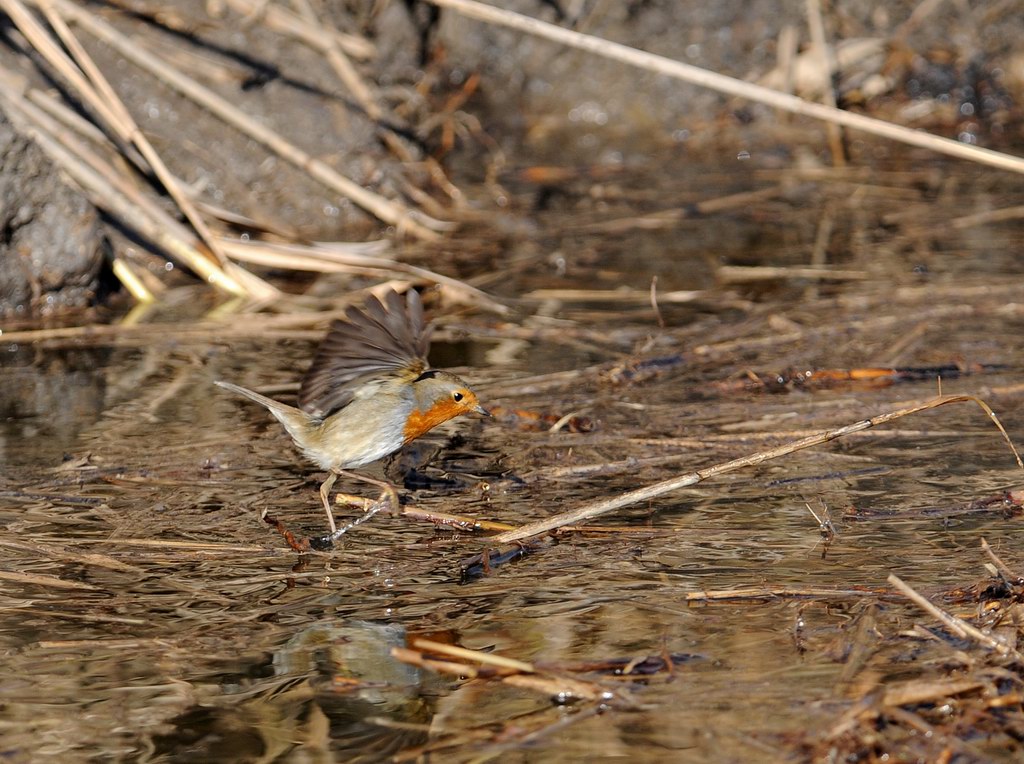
x=382 y=340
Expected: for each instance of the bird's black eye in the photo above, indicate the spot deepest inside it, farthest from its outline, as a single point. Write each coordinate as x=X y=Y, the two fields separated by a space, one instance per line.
x=457 y=396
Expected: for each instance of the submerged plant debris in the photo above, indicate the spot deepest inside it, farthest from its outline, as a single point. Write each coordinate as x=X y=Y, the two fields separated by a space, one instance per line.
x=623 y=307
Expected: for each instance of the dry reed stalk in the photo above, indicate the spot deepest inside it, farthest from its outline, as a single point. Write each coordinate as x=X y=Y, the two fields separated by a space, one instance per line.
x=190 y=546
x=470 y=524
x=670 y=218
x=455 y=522
x=90 y=85
x=351 y=79
x=917 y=691
x=91 y=644
x=109 y=190
x=102 y=92
x=786 y=55
x=281 y=20
x=68 y=117
x=342 y=65
x=625 y=295
x=131 y=282
x=273 y=578
x=745 y=274
x=485 y=659
x=822 y=237
x=42 y=579
x=646 y=493
x=268 y=327
x=828 y=65
x=988 y=217
x=330 y=257
x=62 y=553
x=508 y=671
x=917 y=17
x=775 y=592
x=741 y=436
x=936 y=314
x=958 y=626
x=730 y=85
x=404 y=219
x=1001 y=566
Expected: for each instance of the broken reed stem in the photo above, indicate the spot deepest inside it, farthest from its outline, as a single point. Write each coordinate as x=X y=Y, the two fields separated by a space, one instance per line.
x=958 y=626
x=731 y=86
x=745 y=274
x=646 y=493
x=404 y=219
x=108 y=189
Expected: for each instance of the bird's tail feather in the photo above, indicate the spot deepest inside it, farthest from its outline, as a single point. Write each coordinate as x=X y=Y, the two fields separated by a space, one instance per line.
x=292 y=418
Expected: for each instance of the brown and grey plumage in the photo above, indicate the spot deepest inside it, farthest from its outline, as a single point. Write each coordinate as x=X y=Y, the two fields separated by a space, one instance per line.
x=380 y=340
x=369 y=390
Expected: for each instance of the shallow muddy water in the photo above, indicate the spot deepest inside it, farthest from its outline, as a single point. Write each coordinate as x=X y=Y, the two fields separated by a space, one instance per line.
x=149 y=613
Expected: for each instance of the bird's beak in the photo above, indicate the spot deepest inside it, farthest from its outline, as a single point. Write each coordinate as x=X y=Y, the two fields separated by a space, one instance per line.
x=481 y=410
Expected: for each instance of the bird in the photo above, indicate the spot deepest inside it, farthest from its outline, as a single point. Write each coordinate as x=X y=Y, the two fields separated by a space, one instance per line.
x=368 y=391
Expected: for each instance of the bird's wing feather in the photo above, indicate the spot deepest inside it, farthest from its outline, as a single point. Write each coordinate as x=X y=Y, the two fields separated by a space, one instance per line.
x=387 y=338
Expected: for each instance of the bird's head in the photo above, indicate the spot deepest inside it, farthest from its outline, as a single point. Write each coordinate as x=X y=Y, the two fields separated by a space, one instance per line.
x=439 y=396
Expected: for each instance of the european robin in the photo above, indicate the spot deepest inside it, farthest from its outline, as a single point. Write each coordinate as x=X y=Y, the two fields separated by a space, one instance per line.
x=369 y=391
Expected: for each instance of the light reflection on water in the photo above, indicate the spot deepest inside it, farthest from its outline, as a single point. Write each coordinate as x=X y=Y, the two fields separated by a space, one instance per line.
x=166 y=620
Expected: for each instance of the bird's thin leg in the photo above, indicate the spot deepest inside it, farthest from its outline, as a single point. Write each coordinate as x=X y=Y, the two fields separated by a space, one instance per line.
x=388 y=496
x=325 y=497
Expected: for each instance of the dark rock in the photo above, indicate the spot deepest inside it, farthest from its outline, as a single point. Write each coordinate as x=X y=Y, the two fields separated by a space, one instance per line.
x=50 y=238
